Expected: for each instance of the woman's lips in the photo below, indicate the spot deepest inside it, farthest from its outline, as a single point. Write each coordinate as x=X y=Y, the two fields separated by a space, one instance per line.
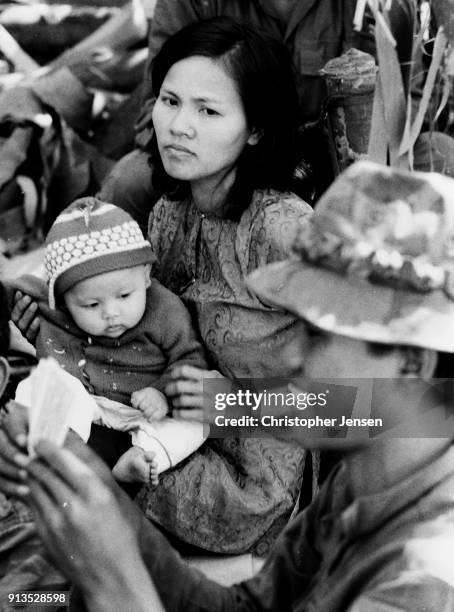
x=174 y=148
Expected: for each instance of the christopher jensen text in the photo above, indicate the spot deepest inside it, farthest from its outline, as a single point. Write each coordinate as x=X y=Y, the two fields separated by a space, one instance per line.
x=255 y=404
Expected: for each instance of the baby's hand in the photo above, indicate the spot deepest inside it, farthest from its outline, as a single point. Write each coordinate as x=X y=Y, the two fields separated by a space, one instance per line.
x=151 y=402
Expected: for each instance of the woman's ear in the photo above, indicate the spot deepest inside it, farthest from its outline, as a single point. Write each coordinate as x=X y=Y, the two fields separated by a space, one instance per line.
x=254 y=137
x=418 y=363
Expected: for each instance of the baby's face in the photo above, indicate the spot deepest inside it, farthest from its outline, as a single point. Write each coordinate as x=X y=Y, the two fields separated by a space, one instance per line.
x=110 y=303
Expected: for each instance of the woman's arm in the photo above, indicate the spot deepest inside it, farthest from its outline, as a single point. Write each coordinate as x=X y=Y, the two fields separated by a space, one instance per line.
x=276 y=221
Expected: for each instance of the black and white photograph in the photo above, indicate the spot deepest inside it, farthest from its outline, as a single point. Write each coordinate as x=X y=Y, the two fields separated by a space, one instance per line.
x=227 y=305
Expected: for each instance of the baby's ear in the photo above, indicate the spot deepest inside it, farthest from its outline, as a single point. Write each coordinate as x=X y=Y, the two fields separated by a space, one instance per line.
x=147 y=272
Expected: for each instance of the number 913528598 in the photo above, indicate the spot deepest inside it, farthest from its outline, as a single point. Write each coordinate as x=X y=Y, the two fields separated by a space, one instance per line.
x=37 y=598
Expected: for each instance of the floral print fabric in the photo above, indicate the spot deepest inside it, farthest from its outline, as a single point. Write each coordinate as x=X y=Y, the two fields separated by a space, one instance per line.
x=231 y=492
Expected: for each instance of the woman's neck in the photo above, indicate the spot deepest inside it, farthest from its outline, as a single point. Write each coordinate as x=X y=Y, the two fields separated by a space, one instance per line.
x=282 y=9
x=210 y=195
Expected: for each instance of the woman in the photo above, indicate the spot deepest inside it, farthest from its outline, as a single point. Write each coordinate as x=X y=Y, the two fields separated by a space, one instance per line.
x=225 y=120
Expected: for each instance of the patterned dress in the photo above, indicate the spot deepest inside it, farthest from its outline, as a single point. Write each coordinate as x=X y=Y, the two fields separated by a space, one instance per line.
x=233 y=495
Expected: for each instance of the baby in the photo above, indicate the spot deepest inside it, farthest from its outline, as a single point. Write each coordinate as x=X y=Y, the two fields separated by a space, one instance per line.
x=117 y=330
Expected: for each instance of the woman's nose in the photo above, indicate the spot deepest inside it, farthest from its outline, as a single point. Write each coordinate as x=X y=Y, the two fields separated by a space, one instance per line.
x=182 y=124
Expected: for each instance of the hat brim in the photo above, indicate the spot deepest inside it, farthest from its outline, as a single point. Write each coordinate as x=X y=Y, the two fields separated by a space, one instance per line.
x=355 y=308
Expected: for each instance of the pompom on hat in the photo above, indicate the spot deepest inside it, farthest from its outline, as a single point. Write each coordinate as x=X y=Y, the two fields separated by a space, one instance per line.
x=376 y=260
x=91 y=237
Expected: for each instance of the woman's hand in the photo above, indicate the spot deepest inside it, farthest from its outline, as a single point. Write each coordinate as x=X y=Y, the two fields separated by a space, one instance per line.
x=186 y=390
x=13 y=451
x=82 y=522
x=25 y=316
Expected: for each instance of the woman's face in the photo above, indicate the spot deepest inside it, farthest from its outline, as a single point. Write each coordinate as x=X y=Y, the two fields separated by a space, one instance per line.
x=200 y=123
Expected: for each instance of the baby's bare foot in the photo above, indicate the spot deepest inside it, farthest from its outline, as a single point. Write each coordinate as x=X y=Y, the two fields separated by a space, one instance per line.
x=136 y=465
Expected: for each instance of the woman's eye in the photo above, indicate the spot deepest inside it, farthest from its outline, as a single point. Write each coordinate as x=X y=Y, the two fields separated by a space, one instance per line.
x=91 y=305
x=168 y=100
x=209 y=111
x=124 y=295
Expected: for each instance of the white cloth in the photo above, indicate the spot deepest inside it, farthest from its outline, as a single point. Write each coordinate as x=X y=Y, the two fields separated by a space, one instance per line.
x=74 y=406
x=172 y=440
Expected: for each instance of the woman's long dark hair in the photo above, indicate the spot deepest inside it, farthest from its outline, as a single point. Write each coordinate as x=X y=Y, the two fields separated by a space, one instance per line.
x=262 y=70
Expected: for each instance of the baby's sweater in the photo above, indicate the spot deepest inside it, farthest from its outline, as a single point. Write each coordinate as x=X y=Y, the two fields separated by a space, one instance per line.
x=116 y=367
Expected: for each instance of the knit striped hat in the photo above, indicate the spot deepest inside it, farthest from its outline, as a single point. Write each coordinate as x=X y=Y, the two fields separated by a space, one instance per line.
x=88 y=238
